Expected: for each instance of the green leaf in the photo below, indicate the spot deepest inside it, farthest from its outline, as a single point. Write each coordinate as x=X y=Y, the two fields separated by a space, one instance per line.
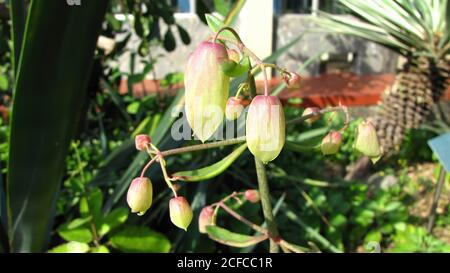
x=140 y=239
x=299 y=148
x=114 y=219
x=133 y=108
x=373 y=236
x=138 y=27
x=92 y=206
x=184 y=35
x=50 y=90
x=70 y=247
x=232 y=69
x=215 y=24
x=169 y=42
x=229 y=238
x=4 y=82
x=212 y=170
x=99 y=249
x=18 y=19
x=81 y=234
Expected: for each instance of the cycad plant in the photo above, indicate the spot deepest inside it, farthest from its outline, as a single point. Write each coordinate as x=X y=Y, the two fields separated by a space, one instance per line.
x=419 y=31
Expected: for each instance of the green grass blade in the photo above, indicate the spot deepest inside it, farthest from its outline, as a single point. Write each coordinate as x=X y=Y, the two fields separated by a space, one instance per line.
x=51 y=83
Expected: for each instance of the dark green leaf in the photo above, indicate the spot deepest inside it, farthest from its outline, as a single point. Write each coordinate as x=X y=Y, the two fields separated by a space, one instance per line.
x=227 y=237
x=46 y=107
x=184 y=35
x=169 y=41
x=140 y=239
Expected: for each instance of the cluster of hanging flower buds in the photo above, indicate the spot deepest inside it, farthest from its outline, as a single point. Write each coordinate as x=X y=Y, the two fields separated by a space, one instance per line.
x=207 y=77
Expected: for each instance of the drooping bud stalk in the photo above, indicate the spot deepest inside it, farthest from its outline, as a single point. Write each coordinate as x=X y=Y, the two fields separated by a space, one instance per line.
x=265 y=127
x=140 y=195
x=206 y=89
x=292 y=80
x=142 y=142
x=233 y=55
x=234 y=108
x=311 y=111
x=180 y=212
x=366 y=141
x=331 y=143
x=252 y=196
x=206 y=218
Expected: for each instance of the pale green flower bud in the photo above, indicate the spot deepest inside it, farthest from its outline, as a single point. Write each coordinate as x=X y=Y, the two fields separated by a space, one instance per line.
x=314 y=111
x=366 y=140
x=180 y=212
x=331 y=143
x=206 y=89
x=265 y=127
x=140 y=195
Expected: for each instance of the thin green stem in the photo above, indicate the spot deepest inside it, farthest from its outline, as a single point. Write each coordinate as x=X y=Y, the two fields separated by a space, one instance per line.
x=204 y=146
x=322 y=111
x=267 y=206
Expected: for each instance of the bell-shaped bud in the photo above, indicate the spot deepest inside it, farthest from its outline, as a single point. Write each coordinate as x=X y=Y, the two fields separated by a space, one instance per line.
x=366 y=140
x=314 y=111
x=180 y=212
x=140 y=195
x=252 y=196
x=142 y=142
x=292 y=80
x=265 y=127
x=206 y=218
x=234 y=108
x=233 y=55
x=331 y=143
x=206 y=89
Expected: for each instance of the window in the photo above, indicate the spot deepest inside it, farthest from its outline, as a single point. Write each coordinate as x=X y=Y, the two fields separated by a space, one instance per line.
x=306 y=6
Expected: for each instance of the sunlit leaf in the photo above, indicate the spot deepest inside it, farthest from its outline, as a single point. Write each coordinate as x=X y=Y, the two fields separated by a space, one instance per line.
x=212 y=170
x=227 y=237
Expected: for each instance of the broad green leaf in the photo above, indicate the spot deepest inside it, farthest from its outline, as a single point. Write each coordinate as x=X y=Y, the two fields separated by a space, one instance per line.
x=47 y=105
x=169 y=42
x=81 y=234
x=99 y=249
x=114 y=219
x=215 y=24
x=140 y=239
x=70 y=247
x=18 y=20
x=212 y=170
x=76 y=223
x=229 y=238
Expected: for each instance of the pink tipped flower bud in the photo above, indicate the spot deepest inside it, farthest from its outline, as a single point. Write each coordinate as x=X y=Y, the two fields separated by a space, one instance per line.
x=292 y=80
x=234 y=108
x=233 y=55
x=140 y=195
x=142 y=142
x=180 y=212
x=206 y=218
x=206 y=89
x=366 y=140
x=252 y=196
x=312 y=111
x=331 y=143
x=265 y=127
